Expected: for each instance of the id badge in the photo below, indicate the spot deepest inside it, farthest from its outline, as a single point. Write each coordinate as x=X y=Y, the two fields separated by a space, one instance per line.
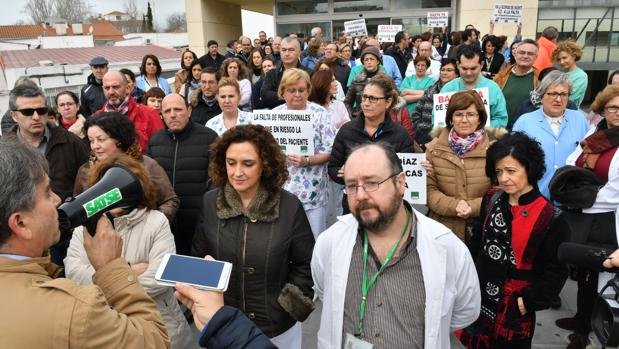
x=353 y=342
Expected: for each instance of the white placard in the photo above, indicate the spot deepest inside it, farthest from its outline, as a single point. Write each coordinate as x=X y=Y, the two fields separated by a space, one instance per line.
x=438 y=19
x=356 y=27
x=441 y=102
x=293 y=129
x=416 y=178
x=507 y=13
x=386 y=33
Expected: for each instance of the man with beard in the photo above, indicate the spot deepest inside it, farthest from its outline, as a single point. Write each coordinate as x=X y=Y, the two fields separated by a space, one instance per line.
x=388 y=276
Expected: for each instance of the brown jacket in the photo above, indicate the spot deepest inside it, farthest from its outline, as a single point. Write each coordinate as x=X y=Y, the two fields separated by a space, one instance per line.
x=502 y=76
x=167 y=200
x=41 y=311
x=65 y=154
x=455 y=179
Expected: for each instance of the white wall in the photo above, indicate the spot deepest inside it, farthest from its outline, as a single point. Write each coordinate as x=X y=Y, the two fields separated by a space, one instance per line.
x=69 y=41
x=170 y=40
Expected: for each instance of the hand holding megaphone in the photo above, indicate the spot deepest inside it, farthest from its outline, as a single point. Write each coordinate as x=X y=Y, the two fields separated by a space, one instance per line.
x=118 y=188
x=104 y=247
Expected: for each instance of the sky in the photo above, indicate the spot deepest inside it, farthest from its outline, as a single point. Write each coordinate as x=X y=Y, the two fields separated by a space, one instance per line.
x=12 y=12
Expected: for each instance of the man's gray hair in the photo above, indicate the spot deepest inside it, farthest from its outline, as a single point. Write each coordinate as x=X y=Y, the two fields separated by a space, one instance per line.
x=290 y=39
x=554 y=78
x=315 y=31
x=22 y=167
x=24 y=90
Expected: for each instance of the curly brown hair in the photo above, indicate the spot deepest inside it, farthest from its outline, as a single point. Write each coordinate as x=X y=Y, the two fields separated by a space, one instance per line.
x=243 y=73
x=274 y=169
x=568 y=46
x=602 y=98
x=137 y=167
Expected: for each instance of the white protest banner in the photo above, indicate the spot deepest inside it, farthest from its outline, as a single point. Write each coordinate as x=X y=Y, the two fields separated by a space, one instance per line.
x=386 y=33
x=438 y=19
x=356 y=27
x=292 y=129
x=416 y=178
x=507 y=13
x=441 y=102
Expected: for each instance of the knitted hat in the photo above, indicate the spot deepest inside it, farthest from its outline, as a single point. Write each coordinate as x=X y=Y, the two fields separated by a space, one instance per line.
x=370 y=50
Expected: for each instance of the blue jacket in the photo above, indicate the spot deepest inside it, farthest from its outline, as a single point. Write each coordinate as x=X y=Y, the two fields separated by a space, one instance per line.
x=142 y=84
x=556 y=148
x=231 y=329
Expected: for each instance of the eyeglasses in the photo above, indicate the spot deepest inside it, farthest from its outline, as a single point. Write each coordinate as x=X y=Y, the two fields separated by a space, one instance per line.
x=283 y=50
x=448 y=70
x=294 y=91
x=68 y=104
x=421 y=66
x=351 y=189
x=372 y=99
x=468 y=116
x=526 y=53
x=30 y=111
x=611 y=109
x=554 y=95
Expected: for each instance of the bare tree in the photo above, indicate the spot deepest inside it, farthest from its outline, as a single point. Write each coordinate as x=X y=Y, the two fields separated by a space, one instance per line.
x=39 y=10
x=71 y=10
x=74 y=11
x=176 y=22
x=131 y=8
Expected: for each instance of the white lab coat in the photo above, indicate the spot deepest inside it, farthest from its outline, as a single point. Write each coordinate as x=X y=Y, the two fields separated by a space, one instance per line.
x=450 y=280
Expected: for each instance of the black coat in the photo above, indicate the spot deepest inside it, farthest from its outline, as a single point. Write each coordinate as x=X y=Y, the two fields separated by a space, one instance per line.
x=270 y=247
x=201 y=112
x=270 y=99
x=91 y=96
x=208 y=61
x=185 y=158
x=229 y=328
x=353 y=134
x=400 y=58
x=342 y=71
x=7 y=122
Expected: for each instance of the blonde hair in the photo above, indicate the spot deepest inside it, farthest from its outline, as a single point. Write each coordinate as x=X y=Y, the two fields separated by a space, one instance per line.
x=292 y=76
x=229 y=82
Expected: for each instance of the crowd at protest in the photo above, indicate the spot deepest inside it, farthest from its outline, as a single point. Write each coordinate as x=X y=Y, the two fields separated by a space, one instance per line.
x=476 y=262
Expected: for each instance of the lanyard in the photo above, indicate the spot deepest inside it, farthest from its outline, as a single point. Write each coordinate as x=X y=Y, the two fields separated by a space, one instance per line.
x=365 y=287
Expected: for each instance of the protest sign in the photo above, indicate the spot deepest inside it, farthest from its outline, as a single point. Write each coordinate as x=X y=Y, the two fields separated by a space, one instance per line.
x=438 y=19
x=292 y=129
x=356 y=27
x=441 y=102
x=386 y=33
x=507 y=13
x=416 y=178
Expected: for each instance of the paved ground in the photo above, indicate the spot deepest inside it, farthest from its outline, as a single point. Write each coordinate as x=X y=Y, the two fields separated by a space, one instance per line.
x=547 y=335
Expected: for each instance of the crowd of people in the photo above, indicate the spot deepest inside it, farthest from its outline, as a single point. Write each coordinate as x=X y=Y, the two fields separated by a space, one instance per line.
x=477 y=265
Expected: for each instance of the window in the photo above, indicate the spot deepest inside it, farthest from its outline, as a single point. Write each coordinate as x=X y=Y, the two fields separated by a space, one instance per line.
x=408 y=4
x=301 y=7
x=360 y=5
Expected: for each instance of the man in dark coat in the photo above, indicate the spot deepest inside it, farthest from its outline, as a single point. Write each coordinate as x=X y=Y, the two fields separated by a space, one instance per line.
x=204 y=103
x=64 y=151
x=400 y=52
x=290 y=53
x=212 y=58
x=91 y=96
x=341 y=67
x=182 y=149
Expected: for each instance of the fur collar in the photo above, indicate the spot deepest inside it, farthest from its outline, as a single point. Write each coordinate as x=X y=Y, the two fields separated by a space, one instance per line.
x=264 y=207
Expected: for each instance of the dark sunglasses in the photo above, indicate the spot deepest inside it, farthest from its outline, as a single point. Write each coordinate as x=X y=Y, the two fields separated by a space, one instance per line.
x=30 y=111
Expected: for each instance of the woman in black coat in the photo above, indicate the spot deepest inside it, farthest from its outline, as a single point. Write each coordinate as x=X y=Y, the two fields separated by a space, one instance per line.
x=493 y=59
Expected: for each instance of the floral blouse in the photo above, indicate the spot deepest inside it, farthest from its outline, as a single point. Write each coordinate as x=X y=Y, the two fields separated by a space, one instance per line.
x=309 y=184
x=217 y=122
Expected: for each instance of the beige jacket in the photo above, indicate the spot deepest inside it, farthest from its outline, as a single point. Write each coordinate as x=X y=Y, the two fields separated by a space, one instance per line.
x=146 y=238
x=40 y=311
x=455 y=179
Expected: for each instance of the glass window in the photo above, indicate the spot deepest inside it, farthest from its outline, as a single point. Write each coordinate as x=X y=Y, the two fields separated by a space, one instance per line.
x=414 y=25
x=371 y=24
x=301 y=7
x=360 y=5
x=305 y=28
x=406 y=4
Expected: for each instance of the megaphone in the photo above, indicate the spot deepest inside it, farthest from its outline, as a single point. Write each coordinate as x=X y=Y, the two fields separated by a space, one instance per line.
x=118 y=188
